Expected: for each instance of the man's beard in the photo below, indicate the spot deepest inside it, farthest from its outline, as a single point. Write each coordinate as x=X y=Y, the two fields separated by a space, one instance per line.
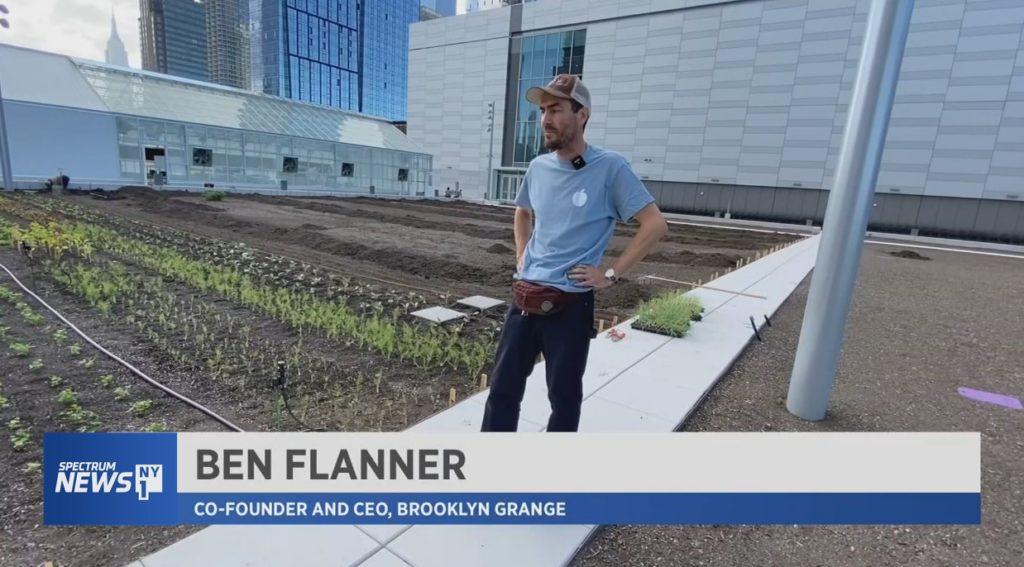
x=558 y=142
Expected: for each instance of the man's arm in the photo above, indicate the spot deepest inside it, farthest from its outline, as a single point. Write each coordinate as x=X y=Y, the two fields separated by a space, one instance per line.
x=523 y=231
x=652 y=229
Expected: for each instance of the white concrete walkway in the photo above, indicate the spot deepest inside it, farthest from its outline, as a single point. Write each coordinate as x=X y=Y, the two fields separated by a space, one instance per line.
x=645 y=382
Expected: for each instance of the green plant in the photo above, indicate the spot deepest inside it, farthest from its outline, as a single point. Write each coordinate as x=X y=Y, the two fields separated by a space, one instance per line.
x=36 y=365
x=56 y=381
x=214 y=195
x=60 y=336
x=67 y=396
x=141 y=407
x=4 y=402
x=5 y=333
x=31 y=317
x=156 y=427
x=87 y=362
x=9 y=296
x=33 y=467
x=83 y=420
x=20 y=349
x=107 y=380
x=76 y=349
x=668 y=313
x=20 y=436
x=121 y=394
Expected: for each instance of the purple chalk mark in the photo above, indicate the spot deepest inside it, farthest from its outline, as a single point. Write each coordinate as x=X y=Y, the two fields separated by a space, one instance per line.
x=990 y=398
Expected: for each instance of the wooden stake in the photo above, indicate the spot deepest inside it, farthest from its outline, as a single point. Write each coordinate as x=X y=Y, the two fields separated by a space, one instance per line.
x=452 y=397
x=615 y=320
x=715 y=277
x=483 y=382
x=600 y=326
x=709 y=287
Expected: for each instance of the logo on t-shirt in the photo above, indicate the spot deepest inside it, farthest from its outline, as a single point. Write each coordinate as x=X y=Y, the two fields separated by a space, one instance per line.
x=579 y=198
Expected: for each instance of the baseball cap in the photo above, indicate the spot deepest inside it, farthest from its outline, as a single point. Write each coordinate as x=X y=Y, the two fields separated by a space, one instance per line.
x=562 y=86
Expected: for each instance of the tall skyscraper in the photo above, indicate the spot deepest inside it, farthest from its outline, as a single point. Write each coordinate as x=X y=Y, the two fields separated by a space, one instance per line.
x=385 y=65
x=307 y=55
x=174 y=38
x=227 y=37
x=116 y=54
x=334 y=52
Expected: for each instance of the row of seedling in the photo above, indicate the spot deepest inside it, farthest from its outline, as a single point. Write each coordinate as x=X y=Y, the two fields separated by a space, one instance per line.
x=198 y=338
x=265 y=268
x=380 y=331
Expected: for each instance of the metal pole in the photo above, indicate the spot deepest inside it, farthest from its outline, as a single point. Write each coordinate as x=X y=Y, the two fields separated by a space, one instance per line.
x=849 y=206
x=490 y=154
x=5 y=148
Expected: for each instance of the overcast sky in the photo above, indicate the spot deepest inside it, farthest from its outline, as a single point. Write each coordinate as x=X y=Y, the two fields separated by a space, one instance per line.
x=73 y=27
x=78 y=27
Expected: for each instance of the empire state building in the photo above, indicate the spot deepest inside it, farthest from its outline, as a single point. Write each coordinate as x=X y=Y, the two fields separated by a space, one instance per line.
x=115 y=54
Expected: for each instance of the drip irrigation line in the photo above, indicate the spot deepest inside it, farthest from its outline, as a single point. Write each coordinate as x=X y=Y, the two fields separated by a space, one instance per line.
x=122 y=362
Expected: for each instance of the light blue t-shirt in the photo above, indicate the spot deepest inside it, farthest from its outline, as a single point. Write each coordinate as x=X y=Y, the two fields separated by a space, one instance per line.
x=574 y=212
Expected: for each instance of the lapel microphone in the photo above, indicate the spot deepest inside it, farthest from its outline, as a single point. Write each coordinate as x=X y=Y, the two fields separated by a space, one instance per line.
x=578 y=162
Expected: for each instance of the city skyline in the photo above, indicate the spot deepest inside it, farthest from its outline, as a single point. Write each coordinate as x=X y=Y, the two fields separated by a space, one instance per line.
x=81 y=28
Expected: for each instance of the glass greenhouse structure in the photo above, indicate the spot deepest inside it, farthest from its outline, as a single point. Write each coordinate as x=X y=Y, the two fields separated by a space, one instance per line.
x=107 y=125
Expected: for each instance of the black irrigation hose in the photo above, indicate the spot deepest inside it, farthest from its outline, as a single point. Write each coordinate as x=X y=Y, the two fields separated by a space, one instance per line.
x=136 y=371
x=282 y=384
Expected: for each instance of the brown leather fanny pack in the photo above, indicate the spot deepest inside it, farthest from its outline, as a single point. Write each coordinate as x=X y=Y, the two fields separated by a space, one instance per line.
x=540 y=299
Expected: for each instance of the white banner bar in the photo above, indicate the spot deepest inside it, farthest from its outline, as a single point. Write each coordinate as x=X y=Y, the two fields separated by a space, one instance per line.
x=580 y=462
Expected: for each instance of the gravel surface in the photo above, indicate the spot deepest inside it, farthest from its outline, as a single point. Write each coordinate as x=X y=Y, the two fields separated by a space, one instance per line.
x=918 y=330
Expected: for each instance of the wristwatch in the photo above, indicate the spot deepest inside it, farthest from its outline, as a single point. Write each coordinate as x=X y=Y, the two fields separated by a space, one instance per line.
x=610 y=275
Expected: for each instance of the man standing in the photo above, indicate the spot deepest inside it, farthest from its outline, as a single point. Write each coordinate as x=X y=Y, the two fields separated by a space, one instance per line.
x=565 y=216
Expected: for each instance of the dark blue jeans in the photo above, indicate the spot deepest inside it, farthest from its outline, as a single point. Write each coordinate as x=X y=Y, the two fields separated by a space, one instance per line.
x=564 y=338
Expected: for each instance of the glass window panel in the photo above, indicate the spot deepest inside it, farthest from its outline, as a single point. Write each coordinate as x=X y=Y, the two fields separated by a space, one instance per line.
x=519 y=149
x=566 y=53
x=152 y=133
x=576 y=68
x=130 y=168
x=579 y=50
x=537 y=70
x=526 y=65
x=551 y=55
x=174 y=135
x=579 y=38
x=127 y=130
x=128 y=152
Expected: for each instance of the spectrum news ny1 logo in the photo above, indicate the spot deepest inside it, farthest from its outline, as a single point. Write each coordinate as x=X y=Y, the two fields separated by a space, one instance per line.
x=113 y=479
x=91 y=477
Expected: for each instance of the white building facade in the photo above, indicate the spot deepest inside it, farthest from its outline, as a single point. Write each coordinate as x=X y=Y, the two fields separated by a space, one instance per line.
x=738 y=107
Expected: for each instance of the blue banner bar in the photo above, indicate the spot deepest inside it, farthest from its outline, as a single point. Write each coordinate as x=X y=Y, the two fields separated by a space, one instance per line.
x=575 y=509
